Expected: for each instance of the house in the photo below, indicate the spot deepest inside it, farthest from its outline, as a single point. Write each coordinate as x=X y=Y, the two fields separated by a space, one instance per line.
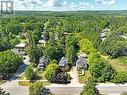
x=81 y=63
x=82 y=55
x=103 y=35
x=56 y=35
x=63 y=63
x=19 y=49
x=42 y=42
x=106 y=30
x=124 y=36
x=20 y=46
x=42 y=62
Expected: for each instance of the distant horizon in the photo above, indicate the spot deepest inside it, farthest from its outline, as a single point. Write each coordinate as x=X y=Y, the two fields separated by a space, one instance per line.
x=68 y=11
x=69 y=5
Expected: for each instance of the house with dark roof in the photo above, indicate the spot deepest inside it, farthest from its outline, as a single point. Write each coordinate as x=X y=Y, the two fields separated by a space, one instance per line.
x=63 y=63
x=81 y=63
x=42 y=62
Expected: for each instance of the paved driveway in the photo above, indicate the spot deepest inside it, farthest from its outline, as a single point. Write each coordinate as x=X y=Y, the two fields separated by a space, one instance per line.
x=12 y=86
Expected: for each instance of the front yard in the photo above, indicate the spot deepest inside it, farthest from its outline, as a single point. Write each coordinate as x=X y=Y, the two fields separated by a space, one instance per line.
x=28 y=83
x=84 y=78
x=120 y=64
x=2 y=82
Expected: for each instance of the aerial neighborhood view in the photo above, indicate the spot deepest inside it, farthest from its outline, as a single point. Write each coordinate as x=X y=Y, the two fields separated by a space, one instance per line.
x=63 y=47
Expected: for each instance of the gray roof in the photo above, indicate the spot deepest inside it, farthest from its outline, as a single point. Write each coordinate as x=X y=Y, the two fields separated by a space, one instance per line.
x=106 y=30
x=21 y=45
x=42 y=62
x=63 y=61
x=18 y=51
x=103 y=35
x=81 y=63
x=56 y=34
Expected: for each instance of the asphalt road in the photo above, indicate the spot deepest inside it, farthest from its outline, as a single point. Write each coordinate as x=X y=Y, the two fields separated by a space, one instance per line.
x=112 y=89
x=66 y=90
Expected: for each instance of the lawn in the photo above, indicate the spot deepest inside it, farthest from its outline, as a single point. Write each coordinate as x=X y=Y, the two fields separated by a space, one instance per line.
x=24 y=82
x=123 y=94
x=85 y=77
x=2 y=81
x=28 y=83
x=120 y=64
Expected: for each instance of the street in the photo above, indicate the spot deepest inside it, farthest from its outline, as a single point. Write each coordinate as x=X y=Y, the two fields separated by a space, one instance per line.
x=74 y=88
x=112 y=89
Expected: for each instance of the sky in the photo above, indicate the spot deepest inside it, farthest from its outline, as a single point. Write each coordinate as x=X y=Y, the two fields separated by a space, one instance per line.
x=70 y=5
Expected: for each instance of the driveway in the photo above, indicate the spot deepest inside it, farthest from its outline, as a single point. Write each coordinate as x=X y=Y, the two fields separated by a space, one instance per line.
x=12 y=86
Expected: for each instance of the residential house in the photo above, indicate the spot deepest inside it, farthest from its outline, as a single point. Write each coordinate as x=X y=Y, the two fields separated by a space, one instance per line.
x=81 y=63
x=19 y=49
x=42 y=62
x=56 y=35
x=63 y=63
x=104 y=33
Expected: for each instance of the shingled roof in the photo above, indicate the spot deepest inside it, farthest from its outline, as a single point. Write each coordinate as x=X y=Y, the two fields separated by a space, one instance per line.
x=81 y=63
x=42 y=62
x=63 y=62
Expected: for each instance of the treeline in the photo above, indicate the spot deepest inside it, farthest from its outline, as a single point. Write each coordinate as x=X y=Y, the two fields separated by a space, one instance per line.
x=72 y=13
x=89 y=26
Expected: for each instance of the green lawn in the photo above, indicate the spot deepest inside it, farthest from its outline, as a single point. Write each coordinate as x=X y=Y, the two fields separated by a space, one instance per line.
x=123 y=94
x=85 y=77
x=120 y=64
x=123 y=60
x=27 y=83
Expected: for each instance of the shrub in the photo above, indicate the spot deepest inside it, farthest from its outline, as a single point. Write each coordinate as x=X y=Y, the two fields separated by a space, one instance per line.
x=120 y=77
x=36 y=89
x=50 y=71
x=29 y=73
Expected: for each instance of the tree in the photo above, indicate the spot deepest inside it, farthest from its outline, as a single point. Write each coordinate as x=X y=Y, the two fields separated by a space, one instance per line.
x=120 y=77
x=34 y=36
x=96 y=68
x=36 y=89
x=51 y=69
x=94 y=57
x=86 y=46
x=108 y=73
x=53 y=52
x=114 y=46
x=9 y=63
x=71 y=54
x=3 y=92
x=34 y=53
x=72 y=41
x=29 y=73
x=90 y=88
